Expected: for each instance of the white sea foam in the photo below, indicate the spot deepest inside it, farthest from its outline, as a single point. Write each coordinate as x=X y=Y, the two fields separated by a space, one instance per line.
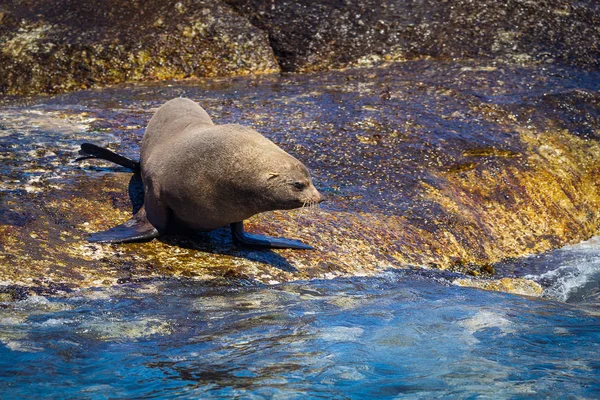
x=578 y=269
x=485 y=319
x=566 y=280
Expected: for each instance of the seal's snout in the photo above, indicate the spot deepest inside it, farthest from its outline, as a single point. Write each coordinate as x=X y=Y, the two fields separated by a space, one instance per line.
x=319 y=196
x=315 y=196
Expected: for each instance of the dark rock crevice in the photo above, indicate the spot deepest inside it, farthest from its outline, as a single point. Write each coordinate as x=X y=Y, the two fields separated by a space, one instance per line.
x=308 y=36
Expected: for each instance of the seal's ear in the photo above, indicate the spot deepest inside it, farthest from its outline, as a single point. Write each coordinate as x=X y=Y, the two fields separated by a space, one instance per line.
x=272 y=175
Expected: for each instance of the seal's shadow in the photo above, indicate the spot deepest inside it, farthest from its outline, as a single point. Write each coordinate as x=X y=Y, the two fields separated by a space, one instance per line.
x=218 y=241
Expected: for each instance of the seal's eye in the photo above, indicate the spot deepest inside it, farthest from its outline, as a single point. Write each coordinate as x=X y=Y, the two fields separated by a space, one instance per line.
x=299 y=185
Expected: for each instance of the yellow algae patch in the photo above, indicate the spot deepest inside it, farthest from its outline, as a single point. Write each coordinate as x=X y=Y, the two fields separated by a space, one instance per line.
x=525 y=287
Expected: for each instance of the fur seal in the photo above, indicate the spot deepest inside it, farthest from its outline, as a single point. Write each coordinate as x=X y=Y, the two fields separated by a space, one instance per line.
x=203 y=176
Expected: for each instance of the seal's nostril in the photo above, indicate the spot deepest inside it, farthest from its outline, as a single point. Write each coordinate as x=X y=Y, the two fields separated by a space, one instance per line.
x=320 y=198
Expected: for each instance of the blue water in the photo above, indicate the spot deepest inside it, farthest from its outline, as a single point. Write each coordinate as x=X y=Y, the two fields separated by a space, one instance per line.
x=400 y=335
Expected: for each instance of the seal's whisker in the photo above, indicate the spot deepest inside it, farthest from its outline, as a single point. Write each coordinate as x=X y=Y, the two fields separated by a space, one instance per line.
x=299 y=213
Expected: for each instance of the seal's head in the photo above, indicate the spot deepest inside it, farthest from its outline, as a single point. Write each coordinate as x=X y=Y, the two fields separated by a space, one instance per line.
x=288 y=186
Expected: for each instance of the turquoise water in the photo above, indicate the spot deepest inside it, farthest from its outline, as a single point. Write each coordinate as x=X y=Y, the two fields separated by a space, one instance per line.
x=400 y=335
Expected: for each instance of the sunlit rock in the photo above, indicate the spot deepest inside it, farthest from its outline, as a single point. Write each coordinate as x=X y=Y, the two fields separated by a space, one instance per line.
x=525 y=287
x=467 y=163
x=49 y=46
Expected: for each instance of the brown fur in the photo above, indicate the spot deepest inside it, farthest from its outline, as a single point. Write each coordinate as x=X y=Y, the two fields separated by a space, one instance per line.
x=205 y=176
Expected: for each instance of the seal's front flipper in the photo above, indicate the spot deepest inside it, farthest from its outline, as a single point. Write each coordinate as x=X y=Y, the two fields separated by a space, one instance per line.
x=137 y=229
x=89 y=150
x=251 y=239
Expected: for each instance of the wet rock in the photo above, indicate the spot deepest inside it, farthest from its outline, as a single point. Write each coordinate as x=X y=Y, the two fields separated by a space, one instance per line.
x=308 y=35
x=56 y=46
x=132 y=330
x=448 y=165
x=49 y=46
x=6 y=297
x=521 y=286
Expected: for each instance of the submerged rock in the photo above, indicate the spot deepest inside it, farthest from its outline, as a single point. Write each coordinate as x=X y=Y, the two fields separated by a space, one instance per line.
x=524 y=287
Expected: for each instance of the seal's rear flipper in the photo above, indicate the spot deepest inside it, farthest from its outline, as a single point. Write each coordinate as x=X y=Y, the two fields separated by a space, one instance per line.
x=89 y=150
x=251 y=239
x=137 y=229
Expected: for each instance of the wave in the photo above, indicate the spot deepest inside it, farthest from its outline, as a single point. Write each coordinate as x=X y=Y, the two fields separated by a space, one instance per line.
x=571 y=274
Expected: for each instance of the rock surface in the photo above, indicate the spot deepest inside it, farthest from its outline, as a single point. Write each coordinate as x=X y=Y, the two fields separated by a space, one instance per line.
x=520 y=286
x=427 y=164
x=50 y=46
x=308 y=35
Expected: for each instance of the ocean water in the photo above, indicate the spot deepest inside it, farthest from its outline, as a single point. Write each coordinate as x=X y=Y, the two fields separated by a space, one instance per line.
x=403 y=334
